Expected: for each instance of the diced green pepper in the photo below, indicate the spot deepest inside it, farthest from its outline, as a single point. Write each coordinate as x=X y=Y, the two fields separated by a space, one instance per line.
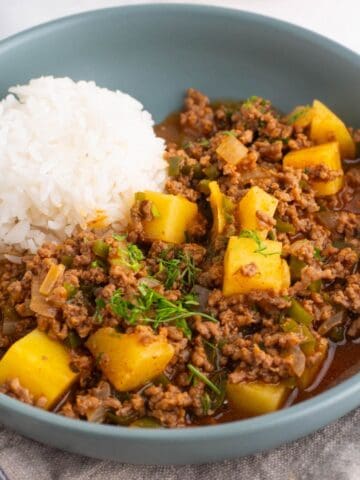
x=73 y=339
x=197 y=171
x=67 y=260
x=212 y=172
x=309 y=343
x=174 y=166
x=299 y=314
x=284 y=227
x=296 y=265
x=71 y=290
x=100 y=248
x=315 y=286
x=203 y=186
x=186 y=169
x=337 y=333
x=146 y=422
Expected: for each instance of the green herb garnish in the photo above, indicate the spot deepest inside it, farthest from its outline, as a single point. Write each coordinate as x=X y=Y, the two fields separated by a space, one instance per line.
x=71 y=290
x=73 y=339
x=181 y=268
x=317 y=254
x=98 y=263
x=119 y=238
x=100 y=305
x=195 y=372
x=204 y=142
x=205 y=403
x=261 y=247
x=150 y=306
x=130 y=256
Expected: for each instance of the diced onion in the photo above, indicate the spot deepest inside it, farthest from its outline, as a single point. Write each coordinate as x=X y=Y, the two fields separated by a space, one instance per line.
x=331 y=322
x=299 y=361
x=38 y=303
x=52 y=276
x=97 y=415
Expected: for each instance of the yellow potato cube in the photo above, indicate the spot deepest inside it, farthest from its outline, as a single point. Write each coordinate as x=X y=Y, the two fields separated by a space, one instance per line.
x=326 y=127
x=311 y=371
x=256 y=200
x=256 y=398
x=131 y=359
x=41 y=365
x=327 y=154
x=241 y=252
x=172 y=215
x=301 y=116
x=231 y=150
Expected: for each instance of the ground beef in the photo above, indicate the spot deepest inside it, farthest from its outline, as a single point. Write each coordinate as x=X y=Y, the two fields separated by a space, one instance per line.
x=243 y=337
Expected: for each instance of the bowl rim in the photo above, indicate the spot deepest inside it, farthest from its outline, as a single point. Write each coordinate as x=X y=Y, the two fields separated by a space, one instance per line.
x=325 y=400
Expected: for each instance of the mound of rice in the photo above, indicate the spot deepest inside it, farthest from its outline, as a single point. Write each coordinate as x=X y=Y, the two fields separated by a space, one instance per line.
x=69 y=152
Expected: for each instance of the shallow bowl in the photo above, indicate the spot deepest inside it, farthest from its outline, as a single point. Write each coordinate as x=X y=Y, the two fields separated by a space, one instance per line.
x=155 y=52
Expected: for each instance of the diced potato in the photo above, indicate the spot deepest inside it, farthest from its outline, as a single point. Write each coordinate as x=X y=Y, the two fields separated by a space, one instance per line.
x=257 y=398
x=270 y=273
x=327 y=154
x=326 y=127
x=172 y=215
x=131 y=360
x=256 y=200
x=301 y=116
x=232 y=150
x=311 y=372
x=41 y=365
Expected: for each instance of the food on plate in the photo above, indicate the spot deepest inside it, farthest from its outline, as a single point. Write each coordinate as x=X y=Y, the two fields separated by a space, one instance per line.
x=202 y=272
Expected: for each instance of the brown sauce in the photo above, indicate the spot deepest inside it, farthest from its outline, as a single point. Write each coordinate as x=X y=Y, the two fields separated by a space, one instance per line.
x=343 y=359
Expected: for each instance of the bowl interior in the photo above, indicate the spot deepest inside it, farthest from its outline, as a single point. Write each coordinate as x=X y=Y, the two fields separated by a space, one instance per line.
x=155 y=52
x=158 y=52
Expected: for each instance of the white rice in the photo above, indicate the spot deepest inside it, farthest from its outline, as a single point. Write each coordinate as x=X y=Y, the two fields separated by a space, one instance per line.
x=67 y=151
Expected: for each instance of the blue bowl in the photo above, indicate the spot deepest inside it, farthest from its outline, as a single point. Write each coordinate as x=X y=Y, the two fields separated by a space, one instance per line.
x=154 y=52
